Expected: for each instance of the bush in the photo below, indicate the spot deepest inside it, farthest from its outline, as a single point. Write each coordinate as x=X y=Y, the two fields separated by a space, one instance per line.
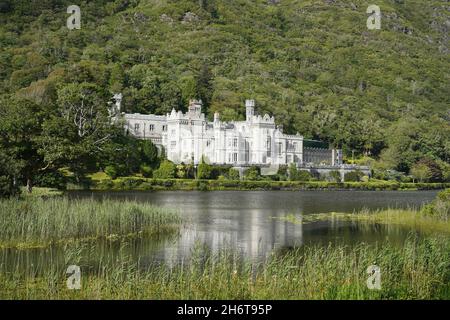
x=303 y=175
x=166 y=170
x=282 y=173
x=439 y=207
x=298 y=175
x=233 y=174
x=111 y=171
x=353 y=176
x=252 y=173
x=335 y=176
x=181 y=171
x=204 y=170
x=146 y=171
x=51 y=179
x=217 y=171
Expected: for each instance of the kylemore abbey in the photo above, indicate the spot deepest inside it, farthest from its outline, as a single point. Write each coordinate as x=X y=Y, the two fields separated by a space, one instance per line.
x=189 y=137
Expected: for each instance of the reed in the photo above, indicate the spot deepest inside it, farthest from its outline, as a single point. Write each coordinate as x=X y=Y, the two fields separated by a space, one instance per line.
x=40 y=222
x=420 y=269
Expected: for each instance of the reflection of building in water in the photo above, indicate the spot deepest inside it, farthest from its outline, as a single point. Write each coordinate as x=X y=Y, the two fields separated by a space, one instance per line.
x=247 y=235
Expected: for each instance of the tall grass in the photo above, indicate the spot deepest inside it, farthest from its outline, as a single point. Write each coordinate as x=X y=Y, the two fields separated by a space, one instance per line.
x=43 y=221
x=418 y=270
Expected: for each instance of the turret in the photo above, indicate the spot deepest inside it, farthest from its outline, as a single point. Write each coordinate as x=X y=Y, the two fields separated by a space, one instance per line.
x=249 y=109
x=195 y=106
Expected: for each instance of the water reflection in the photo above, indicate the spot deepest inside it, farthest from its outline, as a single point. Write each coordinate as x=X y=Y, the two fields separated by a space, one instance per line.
x=249 y=222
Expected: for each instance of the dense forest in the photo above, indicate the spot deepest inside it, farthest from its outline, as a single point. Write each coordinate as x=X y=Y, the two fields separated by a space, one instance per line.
x=380 y=95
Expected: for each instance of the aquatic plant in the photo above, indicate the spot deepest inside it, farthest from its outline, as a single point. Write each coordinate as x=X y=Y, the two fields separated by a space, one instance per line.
x=39 y=222
x=419 y=269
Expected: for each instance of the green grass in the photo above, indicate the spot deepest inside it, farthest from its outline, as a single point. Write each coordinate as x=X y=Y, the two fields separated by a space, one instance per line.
x=40 y=222
x=412 y=219
x=40 y=192
x=420 y=269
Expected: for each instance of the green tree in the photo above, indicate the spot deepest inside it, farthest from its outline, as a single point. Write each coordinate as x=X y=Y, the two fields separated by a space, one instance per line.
x=166 y=170
x=20 y=132
x=421 y=172
x=9 y=171
x=204 y=170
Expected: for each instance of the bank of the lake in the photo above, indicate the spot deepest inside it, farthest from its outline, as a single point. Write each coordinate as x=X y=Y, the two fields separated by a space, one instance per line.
x=417 y=270
x=140 y=183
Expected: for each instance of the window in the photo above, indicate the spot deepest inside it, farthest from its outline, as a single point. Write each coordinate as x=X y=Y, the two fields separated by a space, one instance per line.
x=295 y=146
x=164 y=128
x=235 y=142
x=269 y=146
x=173 y=144
x=172 y=132
x=136 y=127
x=151 y=127
x=280 y=148
x=235 y=157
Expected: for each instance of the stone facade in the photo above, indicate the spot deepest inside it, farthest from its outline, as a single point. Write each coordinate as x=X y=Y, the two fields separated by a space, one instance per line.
x=187 y=137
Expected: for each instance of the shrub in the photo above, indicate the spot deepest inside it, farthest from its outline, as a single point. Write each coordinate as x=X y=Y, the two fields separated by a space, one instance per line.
x=335 y=176
x=111 y=171
x=204 y=170
x=353 y=176
x=298 y=175
x=166 y=170
x=304 y=175
x=51 y=179
x=282 y=172
x=181 y=171
x=439 y=207
x=146 y=171
x=233 y=174
x=252 y=173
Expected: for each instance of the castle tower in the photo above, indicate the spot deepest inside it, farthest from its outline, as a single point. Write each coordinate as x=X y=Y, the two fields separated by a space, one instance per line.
x=195 y=107
x=216 y=117
x=249 y=109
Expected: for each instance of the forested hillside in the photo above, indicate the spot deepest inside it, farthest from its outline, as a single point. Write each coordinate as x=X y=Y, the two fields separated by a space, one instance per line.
x=313 y=64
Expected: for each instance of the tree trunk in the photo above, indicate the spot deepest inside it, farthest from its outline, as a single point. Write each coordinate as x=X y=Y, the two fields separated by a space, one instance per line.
x=29 y=185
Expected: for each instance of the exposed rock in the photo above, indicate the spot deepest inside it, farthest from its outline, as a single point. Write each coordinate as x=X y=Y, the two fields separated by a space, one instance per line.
x=165 y=18
x=190 y=17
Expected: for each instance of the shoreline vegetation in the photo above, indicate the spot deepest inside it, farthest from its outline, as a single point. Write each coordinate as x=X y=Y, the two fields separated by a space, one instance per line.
x=411 y=218
x=417 y=270
x=40 y=222
x=433 y=218
x=151 y=184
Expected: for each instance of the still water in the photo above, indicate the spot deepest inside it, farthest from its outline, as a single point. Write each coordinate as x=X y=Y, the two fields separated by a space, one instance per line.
x=250 y=222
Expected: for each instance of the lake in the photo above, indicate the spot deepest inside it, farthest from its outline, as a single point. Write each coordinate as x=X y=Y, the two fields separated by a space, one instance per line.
x=250 y=222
